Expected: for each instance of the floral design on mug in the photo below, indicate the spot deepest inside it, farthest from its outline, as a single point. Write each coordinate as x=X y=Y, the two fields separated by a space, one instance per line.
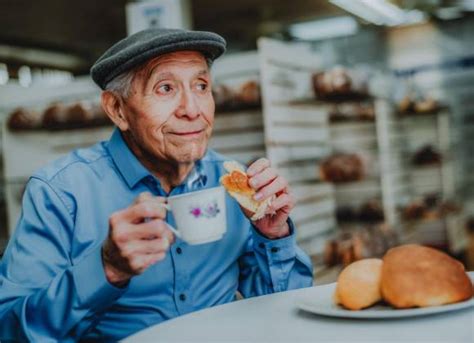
x=208 y=211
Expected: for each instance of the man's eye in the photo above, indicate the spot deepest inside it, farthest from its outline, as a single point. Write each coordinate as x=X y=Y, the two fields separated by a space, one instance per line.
x=202 y=86
x=164 y=88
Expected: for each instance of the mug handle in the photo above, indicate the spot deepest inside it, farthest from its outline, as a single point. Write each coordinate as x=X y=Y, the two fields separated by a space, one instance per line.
x=172 y=229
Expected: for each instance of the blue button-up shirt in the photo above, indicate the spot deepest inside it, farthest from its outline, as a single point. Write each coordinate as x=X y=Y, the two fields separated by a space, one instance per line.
x=52 y=281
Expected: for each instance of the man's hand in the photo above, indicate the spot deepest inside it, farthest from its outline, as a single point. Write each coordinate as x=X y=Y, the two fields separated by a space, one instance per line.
x=266 y=181
x=138 y=237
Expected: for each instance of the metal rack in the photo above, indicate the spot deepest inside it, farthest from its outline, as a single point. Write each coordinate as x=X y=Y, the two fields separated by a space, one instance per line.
x=297 y=138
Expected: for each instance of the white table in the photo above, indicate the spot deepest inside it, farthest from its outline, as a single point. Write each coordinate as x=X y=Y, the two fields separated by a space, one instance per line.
x=276 y=318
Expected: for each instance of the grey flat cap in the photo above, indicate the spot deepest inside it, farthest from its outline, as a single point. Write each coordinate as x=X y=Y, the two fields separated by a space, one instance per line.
x=141 y=46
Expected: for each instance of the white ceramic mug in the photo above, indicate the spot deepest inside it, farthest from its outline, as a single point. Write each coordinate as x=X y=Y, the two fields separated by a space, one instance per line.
x=200 y=216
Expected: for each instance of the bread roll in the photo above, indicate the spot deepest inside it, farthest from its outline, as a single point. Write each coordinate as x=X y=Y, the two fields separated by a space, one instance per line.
x=358 y=285
x=417 y=276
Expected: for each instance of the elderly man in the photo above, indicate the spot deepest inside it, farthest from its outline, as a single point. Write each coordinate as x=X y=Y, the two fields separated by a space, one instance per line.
x=92 y=257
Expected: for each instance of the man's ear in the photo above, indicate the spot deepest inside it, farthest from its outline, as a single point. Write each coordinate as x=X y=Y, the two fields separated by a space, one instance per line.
x=113 y=106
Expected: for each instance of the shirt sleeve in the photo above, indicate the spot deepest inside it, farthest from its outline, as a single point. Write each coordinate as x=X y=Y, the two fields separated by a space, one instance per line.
x=44 y=296
x=269 y=266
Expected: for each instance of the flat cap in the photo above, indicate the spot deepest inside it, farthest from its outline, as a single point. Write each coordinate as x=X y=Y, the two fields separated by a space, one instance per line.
x=144 y=45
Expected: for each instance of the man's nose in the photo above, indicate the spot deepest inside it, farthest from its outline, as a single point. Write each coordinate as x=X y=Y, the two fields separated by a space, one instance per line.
x=188 y=106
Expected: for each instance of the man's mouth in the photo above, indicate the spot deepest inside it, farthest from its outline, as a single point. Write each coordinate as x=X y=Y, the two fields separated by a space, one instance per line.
x=190 y=133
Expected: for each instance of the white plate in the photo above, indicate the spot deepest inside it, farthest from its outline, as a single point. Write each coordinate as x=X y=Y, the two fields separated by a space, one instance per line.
x=318 y=300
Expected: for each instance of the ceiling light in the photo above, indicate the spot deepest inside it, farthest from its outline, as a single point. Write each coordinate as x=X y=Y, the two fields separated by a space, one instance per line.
x=391 y=14
x=467 y=5
x=359 y=9
x=35 y=56
x=379 y=12
x=448 y=13
x=324 y=28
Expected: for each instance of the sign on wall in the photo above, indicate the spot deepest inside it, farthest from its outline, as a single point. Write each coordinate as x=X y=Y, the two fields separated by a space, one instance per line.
x=159 y=14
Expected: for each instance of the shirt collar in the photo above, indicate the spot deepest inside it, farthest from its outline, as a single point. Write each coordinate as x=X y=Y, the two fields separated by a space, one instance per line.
x=133 y=171
x=128 y=165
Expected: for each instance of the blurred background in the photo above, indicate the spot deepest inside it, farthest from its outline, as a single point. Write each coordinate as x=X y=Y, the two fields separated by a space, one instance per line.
x=365 y=106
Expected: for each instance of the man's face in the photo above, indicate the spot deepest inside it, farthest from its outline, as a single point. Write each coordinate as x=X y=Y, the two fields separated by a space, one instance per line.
x=170 y=111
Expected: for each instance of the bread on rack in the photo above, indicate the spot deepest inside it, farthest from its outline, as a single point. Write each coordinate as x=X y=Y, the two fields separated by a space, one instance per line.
x=371 y=212
x=358 y=285
x=426 y=155
x=342 y=168
x=54 y=116
x=23 y=119
x=223 y=96
x=78 y=115
x=249 y=93
x=418 y=276
x=426 y=105
x=236 y=184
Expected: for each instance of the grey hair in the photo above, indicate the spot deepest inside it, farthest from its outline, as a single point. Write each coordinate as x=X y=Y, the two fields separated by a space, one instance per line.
x=122 y=84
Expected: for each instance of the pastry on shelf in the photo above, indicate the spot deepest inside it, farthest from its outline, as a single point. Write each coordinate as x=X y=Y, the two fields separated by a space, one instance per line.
x=409 y=105
x=429 y=207
x=426 y=105
x=78 y=115
x=54 y=117
x=245 y=96
x=349 y=112
x=23 y=119
x=330 y=256
x=427 y=155
x=249 y=93
x=413 y=211
x=337 y=84
x=342 y=168
x=357 y=244
x=371 y=212
x=223 y=96
x=405 y=105
x=346 y=214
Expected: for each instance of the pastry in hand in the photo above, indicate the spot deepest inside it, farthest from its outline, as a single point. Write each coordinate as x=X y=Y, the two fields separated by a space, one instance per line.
x=236 y=184
x=358 y=285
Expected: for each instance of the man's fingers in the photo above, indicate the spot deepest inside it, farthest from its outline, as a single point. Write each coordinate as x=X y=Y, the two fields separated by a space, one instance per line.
x=152 y=229
x=258 y=166
x=145 y=247
x=284 y=202
x=141 y=211
x=143 y=197
x=263 y=178
x=169 y=234
x=275 y=187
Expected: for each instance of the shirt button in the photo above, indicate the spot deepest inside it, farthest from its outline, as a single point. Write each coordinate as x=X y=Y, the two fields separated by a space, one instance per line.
x=261 y=245
x=275 y=249
x=182 y=297
x=179 y=250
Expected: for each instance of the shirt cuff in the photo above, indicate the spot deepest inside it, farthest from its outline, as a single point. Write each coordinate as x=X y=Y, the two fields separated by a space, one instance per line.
x=93 y=289
x=276 y=250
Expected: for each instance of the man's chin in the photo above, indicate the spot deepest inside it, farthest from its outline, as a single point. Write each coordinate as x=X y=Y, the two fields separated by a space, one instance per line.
x=189 y=156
